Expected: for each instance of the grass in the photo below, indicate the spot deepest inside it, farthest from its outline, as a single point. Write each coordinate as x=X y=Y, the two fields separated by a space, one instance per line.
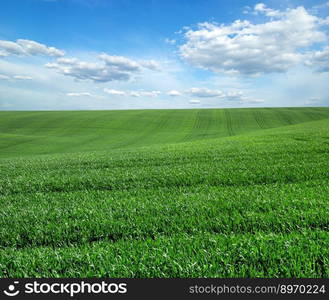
x=165 y=193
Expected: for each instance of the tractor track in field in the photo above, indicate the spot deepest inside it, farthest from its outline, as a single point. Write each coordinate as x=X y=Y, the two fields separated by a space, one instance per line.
x=229 y=124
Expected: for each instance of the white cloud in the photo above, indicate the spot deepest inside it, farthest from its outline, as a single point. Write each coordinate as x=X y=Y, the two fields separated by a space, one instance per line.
x=252 y=49
x=230 y=96
x=174 y=93
x=247 y=100
x=120 y=63
x=27 y=47
x=136 y=94
x=203 y=92
x=152 y=94
x=150 y=64
x=324 y=22
x=97 y=72
x=15 y=77
x=234 y=96
x=83 y=94
x=109 y=68
x=67 y=60
x=35 y=48
x=127 y=64
x=194 y=101
x=312 y=101
x=261 y=8
x=114 y=92
x=22 y=77
x=319 y=60
x=8 y=47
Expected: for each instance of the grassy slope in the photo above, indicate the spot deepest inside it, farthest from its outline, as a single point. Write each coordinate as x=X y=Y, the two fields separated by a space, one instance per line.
x=30 y=133
x=189 y=193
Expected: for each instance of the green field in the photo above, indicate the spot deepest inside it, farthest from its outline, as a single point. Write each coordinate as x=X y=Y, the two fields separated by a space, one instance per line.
x=165 y=193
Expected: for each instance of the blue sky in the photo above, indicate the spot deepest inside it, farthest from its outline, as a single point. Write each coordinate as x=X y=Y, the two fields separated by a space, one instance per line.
x=126 y=54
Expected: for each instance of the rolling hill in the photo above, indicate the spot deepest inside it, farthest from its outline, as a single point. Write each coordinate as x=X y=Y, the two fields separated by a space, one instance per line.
x=30 y=133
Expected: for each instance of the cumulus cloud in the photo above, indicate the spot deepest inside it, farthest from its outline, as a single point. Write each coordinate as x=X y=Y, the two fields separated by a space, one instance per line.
x=324 y=21
x=174 y=93
x=252 y=49
x=114 y=92
x=150 y=64
x=319 y=60
x=204 y=93
x=67 y=60
x=136 y=94
x=108 y=68
x=34 y=48
x=261 y=8
x=120 y=63
x=82 y=94
x=8 y=47
x=231 y=96
x=152 y=94
x=238 y=96
x=234 y=95
x=96 y=72
x=27 y=47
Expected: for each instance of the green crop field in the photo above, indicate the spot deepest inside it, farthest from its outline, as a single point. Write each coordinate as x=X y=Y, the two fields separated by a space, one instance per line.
x=165 y=193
